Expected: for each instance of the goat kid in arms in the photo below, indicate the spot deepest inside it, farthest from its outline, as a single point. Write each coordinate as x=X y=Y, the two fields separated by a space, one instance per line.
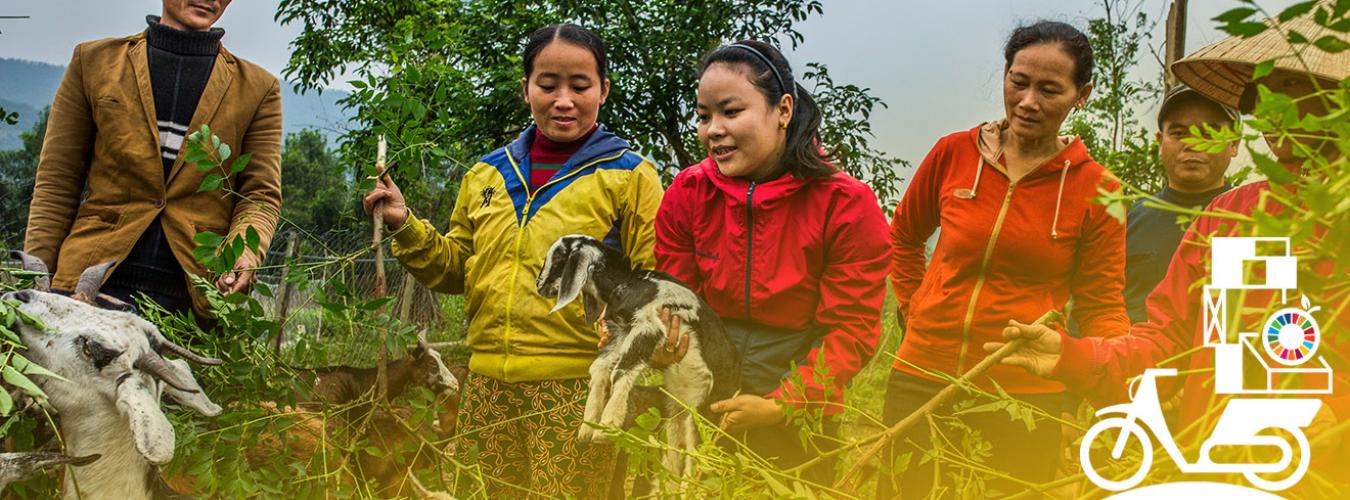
x=632 y=303
x=112 y=376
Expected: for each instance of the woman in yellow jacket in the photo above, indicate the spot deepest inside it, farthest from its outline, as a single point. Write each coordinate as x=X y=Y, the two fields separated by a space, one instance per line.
x=522 y=403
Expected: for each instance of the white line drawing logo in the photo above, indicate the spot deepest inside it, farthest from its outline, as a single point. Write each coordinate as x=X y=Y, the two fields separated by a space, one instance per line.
x=1289 y=337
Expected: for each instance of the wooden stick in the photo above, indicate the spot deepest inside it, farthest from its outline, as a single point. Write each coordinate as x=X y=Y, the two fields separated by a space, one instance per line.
x=939 y=399
x=381 y=288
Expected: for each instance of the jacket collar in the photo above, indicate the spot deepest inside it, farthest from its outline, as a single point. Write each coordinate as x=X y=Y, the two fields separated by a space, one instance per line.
x=989 y=141
x=222 y=74
x=600 y=145
x=738 y=190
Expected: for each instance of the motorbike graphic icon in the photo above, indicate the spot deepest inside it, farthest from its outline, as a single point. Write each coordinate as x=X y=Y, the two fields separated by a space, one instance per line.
x=1129 y=425
x=1289 y=337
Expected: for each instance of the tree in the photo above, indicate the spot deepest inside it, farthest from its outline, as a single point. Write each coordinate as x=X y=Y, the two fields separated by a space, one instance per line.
x=317 y=192
x=1108 y=126
x=18 y=168
x=441 y=78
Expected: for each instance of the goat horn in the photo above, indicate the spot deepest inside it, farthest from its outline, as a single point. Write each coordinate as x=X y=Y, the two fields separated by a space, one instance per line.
x=160 y=343
x=153 y=364
x=34 y=264
x=86 y=290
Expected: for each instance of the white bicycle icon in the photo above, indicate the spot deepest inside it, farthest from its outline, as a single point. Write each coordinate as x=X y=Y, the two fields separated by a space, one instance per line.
x=1240 y=425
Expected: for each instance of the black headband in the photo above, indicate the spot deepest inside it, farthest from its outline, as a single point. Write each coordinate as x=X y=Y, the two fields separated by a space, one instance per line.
x=767 y=62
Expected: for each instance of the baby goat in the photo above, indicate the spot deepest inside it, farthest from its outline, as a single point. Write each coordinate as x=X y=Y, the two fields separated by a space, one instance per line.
x=421 y=367
x=632 y=299
x=114 y=376
x=350 y=392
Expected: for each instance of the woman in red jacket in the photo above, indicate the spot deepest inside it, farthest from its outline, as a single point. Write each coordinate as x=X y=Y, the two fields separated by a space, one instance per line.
x=1020 y=236
x=789 y=250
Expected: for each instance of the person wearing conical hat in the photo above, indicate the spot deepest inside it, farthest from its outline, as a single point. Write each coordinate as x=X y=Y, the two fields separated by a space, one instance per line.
x=1099 y=365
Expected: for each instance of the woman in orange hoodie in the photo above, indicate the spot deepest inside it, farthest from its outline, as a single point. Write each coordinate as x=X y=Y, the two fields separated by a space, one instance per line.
x=1020 y=235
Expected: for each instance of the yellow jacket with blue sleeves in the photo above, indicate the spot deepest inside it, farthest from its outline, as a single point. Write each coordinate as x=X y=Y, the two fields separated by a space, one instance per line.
x=498 y=238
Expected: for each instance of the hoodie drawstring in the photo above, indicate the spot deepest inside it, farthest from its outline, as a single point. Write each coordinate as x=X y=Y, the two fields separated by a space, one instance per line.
x=1058 y=197
x=969 y=194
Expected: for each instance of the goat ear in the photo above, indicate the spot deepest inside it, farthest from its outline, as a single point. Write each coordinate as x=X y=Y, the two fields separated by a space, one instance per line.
x=149 y=427
x=31 y=263
x=575 y=274
x=196 y=398
x=91 y=280
x=593 y=307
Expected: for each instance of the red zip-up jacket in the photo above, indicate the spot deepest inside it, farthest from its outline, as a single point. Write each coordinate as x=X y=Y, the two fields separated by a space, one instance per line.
x=1007 y=250
x=791 y=255
x=1099 y=368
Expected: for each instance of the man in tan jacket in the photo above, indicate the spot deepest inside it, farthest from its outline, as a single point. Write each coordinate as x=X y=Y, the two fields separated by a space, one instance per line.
x=111 y=182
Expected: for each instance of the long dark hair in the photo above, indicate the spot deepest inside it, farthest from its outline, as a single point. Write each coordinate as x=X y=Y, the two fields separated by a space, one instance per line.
x=569 y=33
x=1074 y=43
x=802 y=155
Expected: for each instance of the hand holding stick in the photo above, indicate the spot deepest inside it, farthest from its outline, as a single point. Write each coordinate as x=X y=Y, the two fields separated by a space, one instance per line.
x=941 y=398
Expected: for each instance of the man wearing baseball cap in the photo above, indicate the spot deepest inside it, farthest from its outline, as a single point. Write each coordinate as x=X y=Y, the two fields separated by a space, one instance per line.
x=1194 y=178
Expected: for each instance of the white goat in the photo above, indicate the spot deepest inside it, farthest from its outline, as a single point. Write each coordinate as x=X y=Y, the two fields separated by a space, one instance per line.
x=581 y=266
x=109 y=403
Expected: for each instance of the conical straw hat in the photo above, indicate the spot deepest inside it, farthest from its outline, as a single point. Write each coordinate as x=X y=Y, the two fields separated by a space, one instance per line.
x=1222 y=70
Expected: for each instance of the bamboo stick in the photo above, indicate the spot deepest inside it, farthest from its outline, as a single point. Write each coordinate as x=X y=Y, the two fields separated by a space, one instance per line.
x=939 y=399
x=381 y=289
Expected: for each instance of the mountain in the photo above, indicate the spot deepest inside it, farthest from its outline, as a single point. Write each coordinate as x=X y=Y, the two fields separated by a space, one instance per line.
x=27 y=87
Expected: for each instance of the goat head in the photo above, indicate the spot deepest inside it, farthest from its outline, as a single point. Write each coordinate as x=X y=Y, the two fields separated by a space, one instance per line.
x=109 y=358
x=568 y=270
x=430 y=369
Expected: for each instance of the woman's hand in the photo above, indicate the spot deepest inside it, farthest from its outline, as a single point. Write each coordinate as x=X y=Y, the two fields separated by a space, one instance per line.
x=748 y=411
x=1039 y=353
x=676 y=345
x=387 y=198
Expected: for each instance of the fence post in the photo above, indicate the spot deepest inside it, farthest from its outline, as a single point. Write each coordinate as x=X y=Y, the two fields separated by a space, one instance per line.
x=407 y=291
x=284 y=308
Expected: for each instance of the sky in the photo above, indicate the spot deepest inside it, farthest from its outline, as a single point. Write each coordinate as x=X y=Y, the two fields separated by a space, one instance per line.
x=936 y=64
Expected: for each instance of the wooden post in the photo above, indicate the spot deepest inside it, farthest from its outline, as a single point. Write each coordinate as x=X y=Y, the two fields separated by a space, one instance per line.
x=1175 y=47
x=284 y=308
x=407 y=292
x=381 y=373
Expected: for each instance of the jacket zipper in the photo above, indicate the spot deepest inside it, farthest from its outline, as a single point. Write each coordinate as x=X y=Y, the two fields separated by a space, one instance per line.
x=749 y=242
x=979 y=281
x=520 y=232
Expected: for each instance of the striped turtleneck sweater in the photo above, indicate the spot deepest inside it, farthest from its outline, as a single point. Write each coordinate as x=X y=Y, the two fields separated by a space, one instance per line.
x=180 y=64
x=548 y=156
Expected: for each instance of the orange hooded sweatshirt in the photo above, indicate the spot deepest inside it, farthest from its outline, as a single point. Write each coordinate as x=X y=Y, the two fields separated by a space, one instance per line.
x=1007 y=250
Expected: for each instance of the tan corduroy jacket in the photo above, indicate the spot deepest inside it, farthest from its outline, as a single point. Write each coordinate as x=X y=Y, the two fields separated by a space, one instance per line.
x=100 y=181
